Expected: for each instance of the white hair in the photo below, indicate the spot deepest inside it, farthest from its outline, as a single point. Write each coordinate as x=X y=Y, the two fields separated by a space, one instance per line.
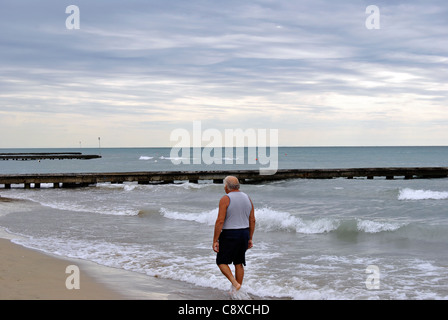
x=232 y=185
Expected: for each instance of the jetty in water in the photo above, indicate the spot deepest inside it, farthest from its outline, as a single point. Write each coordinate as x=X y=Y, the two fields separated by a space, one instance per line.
x=245 y=176
x=50 y=156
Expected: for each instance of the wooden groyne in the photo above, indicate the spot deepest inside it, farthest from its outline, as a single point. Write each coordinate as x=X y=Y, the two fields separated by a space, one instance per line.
x=245 y=176
x=48 y=156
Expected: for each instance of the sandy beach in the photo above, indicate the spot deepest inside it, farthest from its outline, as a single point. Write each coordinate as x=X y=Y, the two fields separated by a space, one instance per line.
x=26 y=274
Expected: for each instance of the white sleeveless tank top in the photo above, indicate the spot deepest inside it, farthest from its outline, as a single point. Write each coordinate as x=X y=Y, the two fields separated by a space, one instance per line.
x=238 y=211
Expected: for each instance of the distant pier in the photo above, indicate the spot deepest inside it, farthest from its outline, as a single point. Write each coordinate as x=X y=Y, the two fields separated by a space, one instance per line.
x=245 y=176
x=48 y=156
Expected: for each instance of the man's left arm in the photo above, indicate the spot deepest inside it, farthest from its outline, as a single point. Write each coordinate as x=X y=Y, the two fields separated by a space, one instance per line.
x=251 y=225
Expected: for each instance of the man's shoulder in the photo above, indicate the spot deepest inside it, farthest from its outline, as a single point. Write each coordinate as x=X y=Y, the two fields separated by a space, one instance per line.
x=241 y=193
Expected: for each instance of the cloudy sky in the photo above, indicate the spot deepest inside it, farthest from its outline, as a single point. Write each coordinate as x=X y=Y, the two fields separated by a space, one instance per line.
x=136 y=70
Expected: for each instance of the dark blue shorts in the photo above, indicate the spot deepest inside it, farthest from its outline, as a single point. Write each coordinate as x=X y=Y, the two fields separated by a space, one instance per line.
x=233 y=244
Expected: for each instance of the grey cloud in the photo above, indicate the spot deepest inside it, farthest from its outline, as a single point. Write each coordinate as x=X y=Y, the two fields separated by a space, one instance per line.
x=156 y=58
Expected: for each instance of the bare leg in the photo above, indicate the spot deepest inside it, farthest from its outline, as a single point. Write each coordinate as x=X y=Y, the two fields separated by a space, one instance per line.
x=225 y=269
x=239 y=273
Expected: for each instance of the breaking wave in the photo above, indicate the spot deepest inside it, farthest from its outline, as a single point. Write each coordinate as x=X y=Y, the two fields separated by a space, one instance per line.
x=412 y=194
x=271 y=221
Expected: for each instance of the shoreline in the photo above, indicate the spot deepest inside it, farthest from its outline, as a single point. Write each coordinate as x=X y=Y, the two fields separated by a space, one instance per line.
x=26 y=274
x=31 y=274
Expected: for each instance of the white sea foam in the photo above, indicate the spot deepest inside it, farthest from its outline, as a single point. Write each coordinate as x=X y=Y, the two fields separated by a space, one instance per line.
x=412 y=194
x=272 y=220
x=189 y=185
x=64 y=202
x=369 y=226
x=100 y=209
x=145 y=158
x=206 y=217
x=229 y=159
x=215 y=159
x=122 y=186
x=173 y=158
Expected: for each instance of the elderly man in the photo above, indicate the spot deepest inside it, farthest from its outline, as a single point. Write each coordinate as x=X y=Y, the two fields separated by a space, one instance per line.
x=234 y=229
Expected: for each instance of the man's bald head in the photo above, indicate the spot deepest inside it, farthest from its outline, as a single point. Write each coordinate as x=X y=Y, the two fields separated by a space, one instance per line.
x=232 y=183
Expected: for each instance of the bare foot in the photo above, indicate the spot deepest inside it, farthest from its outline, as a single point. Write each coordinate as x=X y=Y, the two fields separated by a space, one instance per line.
x=237 y=287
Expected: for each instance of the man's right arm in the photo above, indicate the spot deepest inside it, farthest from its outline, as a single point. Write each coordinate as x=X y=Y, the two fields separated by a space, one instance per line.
x=223 y=204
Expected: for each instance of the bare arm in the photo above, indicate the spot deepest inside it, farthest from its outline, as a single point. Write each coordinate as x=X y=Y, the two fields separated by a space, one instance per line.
x=251 y=225
x=223 y=204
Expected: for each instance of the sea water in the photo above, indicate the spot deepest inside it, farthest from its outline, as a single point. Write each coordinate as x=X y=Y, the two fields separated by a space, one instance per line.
x=314 y=239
